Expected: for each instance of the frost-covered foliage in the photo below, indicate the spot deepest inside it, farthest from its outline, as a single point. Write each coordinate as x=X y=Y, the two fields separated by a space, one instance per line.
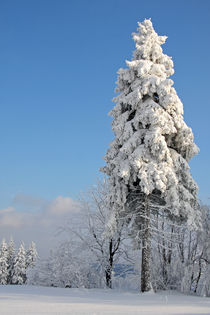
x=74 y=267
x=43 y=272
x=3 y=263
x=169 y=251
x=19 y=271
x=180 y=257
x=31 y=256
x=89 y=255
x=11 y=258
x=196 y=276
x=152 y=144
x=13 y=265
x=90 y=233
x=105 y=247
x=147 y=163
x=61 y=269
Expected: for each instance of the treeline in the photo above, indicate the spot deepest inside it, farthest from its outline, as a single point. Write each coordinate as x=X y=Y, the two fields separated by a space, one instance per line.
x=15 y=263
x=94 y=256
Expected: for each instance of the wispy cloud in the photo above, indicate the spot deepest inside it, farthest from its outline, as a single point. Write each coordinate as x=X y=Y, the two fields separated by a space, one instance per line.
x=63 y=205
x=32 y=218
x=10 y=218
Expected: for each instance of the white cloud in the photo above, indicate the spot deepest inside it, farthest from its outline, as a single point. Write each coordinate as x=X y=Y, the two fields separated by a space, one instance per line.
x=33 y=219
x=63 y=205
x=13 y=218
x=10 y=218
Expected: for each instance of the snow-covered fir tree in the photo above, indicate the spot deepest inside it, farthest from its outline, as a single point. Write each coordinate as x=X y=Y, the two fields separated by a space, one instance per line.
x=10 y=260
x=147 y=163
x=31 y=256
x=19 y=271
x=3 y=262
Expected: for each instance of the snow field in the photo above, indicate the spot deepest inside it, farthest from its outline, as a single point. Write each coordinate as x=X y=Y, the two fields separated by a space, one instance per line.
x=20 y=300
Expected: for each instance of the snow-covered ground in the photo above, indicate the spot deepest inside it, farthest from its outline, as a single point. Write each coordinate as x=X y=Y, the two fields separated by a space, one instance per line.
x=19 y=300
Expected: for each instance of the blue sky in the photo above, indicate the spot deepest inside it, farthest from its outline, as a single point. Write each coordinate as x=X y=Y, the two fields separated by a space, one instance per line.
x=58 y=64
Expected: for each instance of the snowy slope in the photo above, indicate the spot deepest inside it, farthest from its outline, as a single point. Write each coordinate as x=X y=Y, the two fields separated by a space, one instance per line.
x=41 y=300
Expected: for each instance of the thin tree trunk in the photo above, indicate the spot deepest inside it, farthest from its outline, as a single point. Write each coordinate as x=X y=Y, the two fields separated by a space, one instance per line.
x=164 y=263
x=108 y=272
x=199 y=275
x=146 y=249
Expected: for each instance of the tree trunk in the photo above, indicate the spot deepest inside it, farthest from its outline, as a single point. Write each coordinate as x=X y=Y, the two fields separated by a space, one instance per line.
x=199 y=275
x=164 y=259
x=108 y=272
x=146 y=249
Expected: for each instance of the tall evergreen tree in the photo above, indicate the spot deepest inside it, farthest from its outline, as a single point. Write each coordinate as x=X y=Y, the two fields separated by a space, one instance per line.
x=10 y=260
x=3 y=263
x=31 y=255
x=19 y=272
x=147 y=163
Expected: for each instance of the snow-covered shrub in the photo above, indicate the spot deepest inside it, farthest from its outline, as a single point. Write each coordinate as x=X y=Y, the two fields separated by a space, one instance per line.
x=3 y=263
x=61 y=269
